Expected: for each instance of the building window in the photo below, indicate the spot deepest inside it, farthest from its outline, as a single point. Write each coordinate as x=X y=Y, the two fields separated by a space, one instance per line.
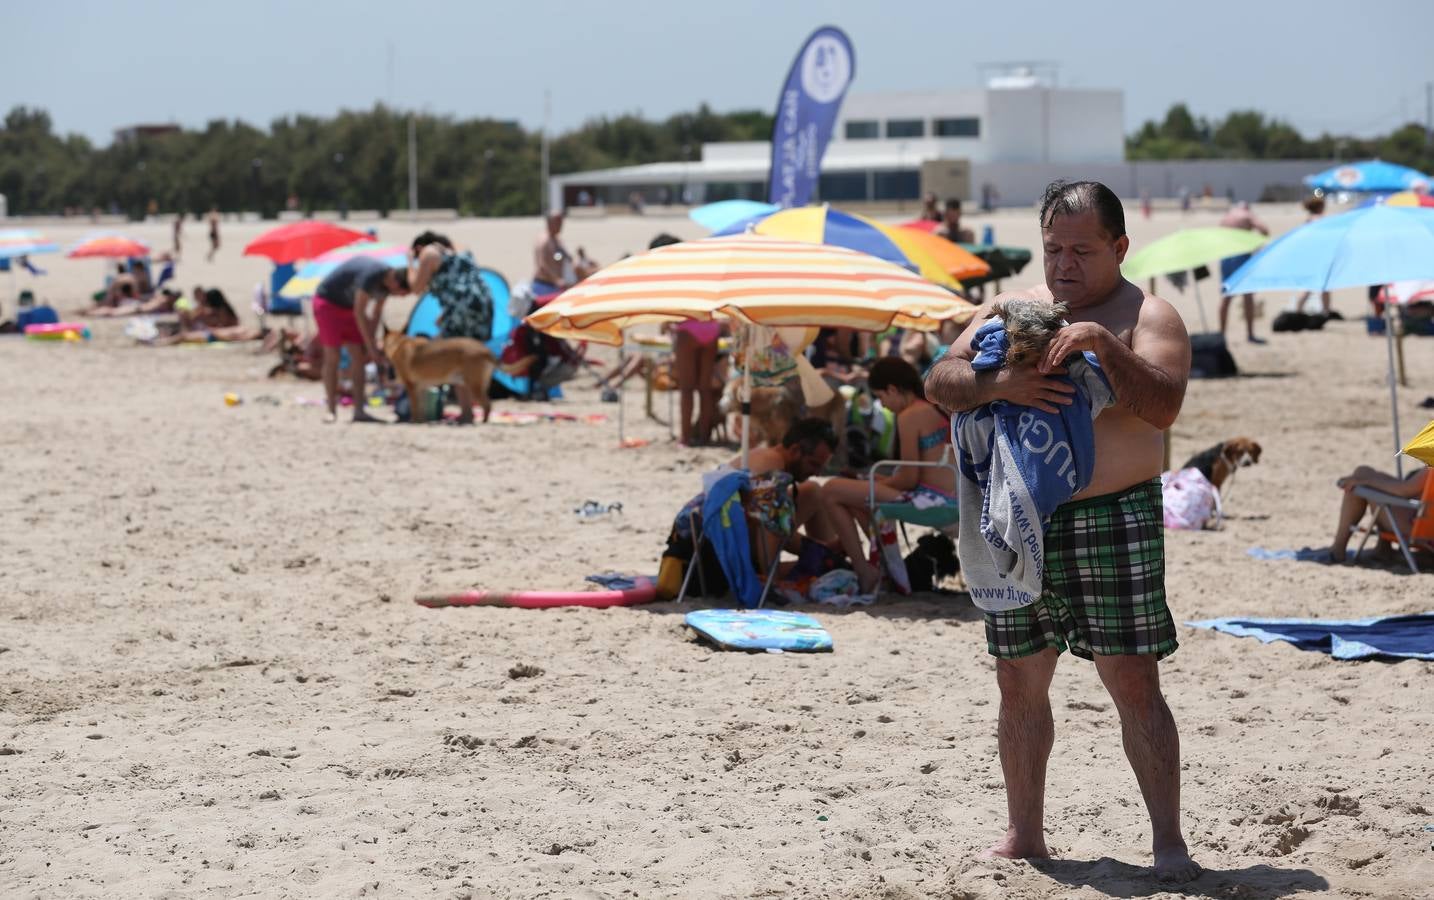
x=905 y=128
x=862 y=130
x=842 y=187
x=968 y=126
x=896 y=185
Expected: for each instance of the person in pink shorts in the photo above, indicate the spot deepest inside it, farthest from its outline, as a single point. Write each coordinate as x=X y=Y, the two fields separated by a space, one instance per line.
x=348 y=306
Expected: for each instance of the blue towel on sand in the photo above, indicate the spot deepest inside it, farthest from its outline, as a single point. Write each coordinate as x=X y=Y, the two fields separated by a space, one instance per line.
x=1382 y=637
x=724 y=526
x=1017 y=465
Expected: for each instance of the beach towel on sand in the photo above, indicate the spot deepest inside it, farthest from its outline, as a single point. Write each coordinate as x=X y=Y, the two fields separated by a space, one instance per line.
x=1382 y=637
x=1017 y=465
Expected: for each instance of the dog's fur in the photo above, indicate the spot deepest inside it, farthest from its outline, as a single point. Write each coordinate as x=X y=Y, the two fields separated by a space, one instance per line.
x=1030 y=326
x=1218 y=463
x=933 y=559
x=422 y=363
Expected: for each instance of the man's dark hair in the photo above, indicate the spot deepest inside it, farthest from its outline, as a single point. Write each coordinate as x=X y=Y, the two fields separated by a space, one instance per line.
x=400 y=274
x=895 y=372
x=953 y=203
x=431 y=237
x=663 y=240
x=1071 y=198
x=808 y=434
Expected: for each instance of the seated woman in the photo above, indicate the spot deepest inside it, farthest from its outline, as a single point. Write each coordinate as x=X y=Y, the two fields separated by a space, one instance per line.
x=213 y=320
x=924 y=434
x=1353 y=506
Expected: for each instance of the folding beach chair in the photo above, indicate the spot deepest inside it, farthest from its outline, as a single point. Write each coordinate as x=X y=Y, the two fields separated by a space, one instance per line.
x=941 y=518
x=762 y=564
x=1421 y=532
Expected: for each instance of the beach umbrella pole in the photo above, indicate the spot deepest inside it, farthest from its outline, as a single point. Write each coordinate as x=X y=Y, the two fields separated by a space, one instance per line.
x=1389 y=320
x=621 y=393
x=746 y=395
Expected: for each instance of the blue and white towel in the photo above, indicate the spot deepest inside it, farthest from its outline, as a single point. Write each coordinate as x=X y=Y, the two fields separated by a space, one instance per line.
x=1017 y=465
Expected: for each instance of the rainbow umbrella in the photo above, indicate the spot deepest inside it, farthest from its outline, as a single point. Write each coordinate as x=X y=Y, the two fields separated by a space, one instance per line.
x=301 y=240
x=834 y=228
x=24 y=242
x=113 y=246
x=307 y=279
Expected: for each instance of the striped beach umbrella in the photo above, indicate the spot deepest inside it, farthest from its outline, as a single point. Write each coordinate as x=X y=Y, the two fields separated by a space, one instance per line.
x=752 y=279
x=25 y=242
x=113 y=246
x=307 y=279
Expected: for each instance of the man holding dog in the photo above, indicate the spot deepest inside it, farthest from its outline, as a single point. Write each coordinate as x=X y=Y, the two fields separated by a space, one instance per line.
x=348 y=306
x=1104 y=592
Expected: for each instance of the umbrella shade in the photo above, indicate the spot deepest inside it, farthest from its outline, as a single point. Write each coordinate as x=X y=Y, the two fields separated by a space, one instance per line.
x=24 y=242
x=834 y=228
x=1005 y=262
x=109 y=245
x=1189 y=249
x=1422 y=446
x=724 y=213
x=752 y=279
x=1374 y=176
x=1369 y=245
x=307 y=279
x=301 y=240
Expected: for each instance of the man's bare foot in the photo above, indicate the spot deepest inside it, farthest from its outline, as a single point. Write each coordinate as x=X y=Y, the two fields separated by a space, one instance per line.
x=868 y=578
x=1013 y=846
x=330 y=417
x=362 y=416
x=1174 y=865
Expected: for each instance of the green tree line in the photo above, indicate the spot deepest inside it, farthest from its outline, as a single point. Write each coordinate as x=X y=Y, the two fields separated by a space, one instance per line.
x=359 y=159
x=354 y=160
x=1248 y=134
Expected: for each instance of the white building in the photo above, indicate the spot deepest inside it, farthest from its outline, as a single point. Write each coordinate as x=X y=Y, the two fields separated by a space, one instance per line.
x=1010 y=139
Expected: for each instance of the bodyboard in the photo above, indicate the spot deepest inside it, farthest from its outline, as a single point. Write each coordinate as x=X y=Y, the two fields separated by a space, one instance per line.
x=760 y=629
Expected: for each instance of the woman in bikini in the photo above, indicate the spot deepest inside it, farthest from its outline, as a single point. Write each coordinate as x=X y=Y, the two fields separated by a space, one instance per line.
x=924 y=433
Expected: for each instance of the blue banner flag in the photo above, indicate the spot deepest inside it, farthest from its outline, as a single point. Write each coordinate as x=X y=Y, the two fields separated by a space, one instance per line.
x=806 y=112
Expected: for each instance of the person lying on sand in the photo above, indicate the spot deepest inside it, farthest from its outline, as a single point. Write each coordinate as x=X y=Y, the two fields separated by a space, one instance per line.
x=161 y=303
x=1352 y=507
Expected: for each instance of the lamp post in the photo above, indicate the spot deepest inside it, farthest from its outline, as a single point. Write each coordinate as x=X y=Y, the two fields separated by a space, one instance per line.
x=343 y=202
x=488 y=181
x=256 y=166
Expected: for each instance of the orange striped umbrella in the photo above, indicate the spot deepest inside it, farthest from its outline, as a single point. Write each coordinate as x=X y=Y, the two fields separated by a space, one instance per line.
x=751 y=279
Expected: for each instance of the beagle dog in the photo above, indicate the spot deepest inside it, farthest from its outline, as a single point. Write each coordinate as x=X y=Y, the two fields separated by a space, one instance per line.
x=1219 y=463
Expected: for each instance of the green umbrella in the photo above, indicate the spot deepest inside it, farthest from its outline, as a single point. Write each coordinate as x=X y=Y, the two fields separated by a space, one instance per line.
x=1185 y=251
x=1190 y=249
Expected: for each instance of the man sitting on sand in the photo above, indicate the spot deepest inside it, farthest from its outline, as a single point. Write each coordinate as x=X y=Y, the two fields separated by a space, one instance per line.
x=1104 y=575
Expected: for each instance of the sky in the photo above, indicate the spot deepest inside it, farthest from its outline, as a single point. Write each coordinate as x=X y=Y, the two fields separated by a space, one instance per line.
x=96 y=66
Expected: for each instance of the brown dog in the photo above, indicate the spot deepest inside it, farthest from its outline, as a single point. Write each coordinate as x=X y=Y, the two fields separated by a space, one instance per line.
x=1218 y=463
x=420 y=363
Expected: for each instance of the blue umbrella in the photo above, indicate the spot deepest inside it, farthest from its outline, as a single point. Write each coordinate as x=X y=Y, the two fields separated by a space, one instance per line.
x=1376 y=244
x=23 y=242
x=1374 y=176
x=719 y=215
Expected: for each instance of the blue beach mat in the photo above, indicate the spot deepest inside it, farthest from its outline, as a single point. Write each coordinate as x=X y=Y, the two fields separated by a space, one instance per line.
x=760 y=629
x=1382 y=637
x=1304 y=554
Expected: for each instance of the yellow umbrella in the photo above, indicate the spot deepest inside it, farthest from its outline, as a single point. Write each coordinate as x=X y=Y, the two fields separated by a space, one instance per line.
x=955 y=260
x=1422 y=446
x=749 y=278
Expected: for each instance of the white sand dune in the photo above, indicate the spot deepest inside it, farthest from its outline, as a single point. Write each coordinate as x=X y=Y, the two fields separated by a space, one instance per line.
x=214 y=682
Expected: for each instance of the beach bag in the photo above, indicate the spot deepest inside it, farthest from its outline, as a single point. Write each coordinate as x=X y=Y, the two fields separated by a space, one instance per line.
x=1210 y=357
x=465 y=298
x=1191 y=501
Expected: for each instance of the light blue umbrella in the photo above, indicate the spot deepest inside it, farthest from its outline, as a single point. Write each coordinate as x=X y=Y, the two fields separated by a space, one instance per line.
x=1376 y=244
x=725 y=213
x=24 y=242
x=1374 y=176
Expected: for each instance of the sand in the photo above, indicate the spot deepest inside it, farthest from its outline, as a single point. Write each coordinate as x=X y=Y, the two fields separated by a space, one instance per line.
x=214 y=681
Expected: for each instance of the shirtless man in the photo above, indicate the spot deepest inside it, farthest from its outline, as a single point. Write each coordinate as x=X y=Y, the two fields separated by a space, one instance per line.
x=551 y=263
x=806 y=449
x=1104 y=597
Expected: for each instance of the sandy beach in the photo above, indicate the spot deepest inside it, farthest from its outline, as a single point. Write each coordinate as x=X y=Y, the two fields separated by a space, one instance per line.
x=214 y=680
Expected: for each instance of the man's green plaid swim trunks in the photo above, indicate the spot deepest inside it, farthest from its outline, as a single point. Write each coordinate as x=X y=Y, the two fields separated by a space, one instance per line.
x=1104 y=587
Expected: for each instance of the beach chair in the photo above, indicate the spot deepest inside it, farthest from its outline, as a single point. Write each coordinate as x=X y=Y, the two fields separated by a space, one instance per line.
x=941 y=518
x=1421 y=532
x=762 y=564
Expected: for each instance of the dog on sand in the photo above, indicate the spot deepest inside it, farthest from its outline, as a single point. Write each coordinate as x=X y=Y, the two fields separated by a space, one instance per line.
x=420 y=363
x=1220 y=462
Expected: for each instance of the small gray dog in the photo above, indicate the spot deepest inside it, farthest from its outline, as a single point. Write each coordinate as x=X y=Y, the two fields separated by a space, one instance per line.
x=1030 y=326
